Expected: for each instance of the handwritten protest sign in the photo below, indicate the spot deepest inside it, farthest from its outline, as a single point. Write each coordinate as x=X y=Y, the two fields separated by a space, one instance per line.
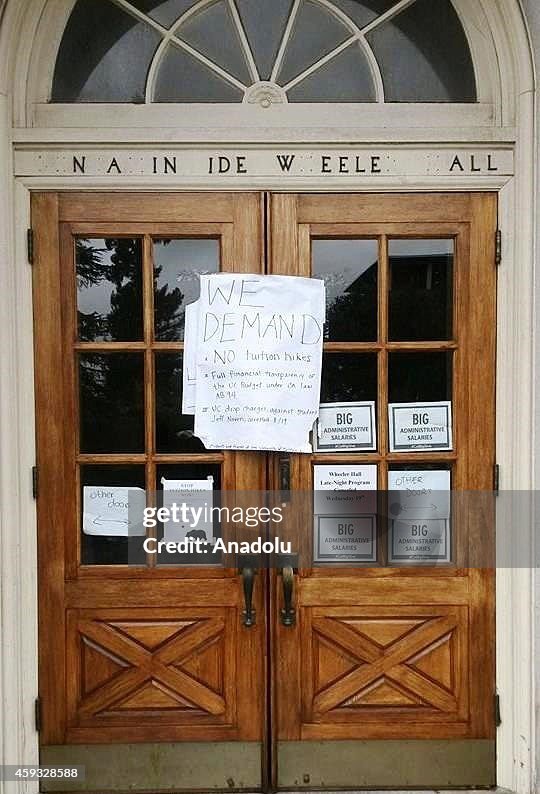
x=253 y=354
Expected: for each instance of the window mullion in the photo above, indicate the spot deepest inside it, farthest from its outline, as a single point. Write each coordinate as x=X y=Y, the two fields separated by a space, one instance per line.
x=245 y=43
x=178 y=42
x=390 y=14
x=284 y=41
x=320 y=62
x=127 y=6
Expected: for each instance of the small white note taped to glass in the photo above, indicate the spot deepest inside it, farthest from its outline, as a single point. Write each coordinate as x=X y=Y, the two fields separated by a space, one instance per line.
x=113 y=511
x=345 y=427
x=336 y=486
x=420 y=426
x=419 y=494
x=193 y=517
x=345 y=513
x=416 y=540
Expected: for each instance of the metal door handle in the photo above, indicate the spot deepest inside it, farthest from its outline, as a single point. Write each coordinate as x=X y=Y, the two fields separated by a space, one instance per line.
x=288 y=612
x=248 y=571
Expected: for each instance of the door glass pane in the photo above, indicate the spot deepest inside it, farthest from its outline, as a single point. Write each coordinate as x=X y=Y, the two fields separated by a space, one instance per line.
x=183 y=78
x=419 y=377
x=349 y=270
x=177 y=267
x=103 y=512
x=346 y=78
x=174 y=431
x=213 y=33
x=420 y=289
x=209 y=525
x=109 y=289
x=111 y=402
x=104 y=56
x=349 y=377
x=424 y=56
x=315 y=33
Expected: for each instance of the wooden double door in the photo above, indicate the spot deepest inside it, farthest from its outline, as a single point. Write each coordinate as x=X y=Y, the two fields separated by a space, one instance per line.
x=149 y=676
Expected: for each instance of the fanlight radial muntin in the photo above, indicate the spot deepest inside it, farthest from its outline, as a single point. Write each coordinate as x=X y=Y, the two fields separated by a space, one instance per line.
x=275 y=92
x=264 y=52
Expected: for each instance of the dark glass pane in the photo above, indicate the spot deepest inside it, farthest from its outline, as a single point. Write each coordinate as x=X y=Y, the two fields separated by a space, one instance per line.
x=177 y=267
x=174 y=432
x=166 y=12
x=419 y=377
x=213 y=33
x=346 y=78
x=182 y=78
x=104 y=56
x=315 y=33
x=420 y=289
x=264 y=24
x=424 y=56
x=349 y=377
x=349 y=270
x=109 y=289
x=191 y=471
x=362 y=12
x=106 y=549
x=112 y=402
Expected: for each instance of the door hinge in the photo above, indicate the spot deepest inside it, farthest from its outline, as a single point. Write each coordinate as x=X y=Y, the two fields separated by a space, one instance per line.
x=35 y=479
x=496 y=479
x=498 y=719
x=498 y=247
x=30 y=245
x=37 y=713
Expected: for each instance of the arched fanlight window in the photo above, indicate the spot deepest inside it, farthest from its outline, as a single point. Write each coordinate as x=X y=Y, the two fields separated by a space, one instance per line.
x=264 y=51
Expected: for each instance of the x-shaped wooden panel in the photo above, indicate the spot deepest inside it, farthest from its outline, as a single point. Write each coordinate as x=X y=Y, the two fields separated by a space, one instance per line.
x=391 y=662
x=146 y=665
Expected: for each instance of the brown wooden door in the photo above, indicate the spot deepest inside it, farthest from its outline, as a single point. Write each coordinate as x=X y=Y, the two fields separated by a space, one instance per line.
x=383 y=651
x=148 y=675
x=131 y=652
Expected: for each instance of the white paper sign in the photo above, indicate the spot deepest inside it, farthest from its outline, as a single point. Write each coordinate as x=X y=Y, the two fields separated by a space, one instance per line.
x=197 y=496
x=113 y=511
x=258 y=351
x=345 y=539
x=189 y=375
x=418 y=426
x=415 y=540
x=419 y=494
x=345 y=427
x=345 y=508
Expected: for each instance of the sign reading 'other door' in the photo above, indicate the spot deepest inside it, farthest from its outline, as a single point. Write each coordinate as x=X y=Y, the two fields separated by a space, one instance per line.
x=253 y=349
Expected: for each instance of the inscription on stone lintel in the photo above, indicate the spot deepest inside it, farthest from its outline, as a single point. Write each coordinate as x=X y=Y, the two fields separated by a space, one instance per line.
x=355 y=163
